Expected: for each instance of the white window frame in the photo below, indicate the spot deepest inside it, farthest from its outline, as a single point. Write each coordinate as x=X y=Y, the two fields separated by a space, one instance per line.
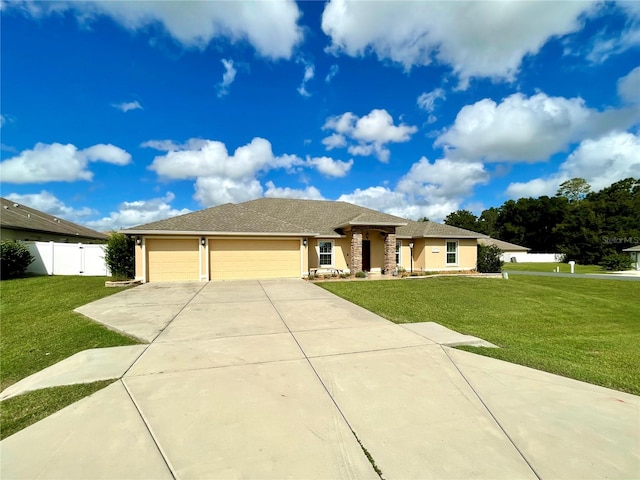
x=320 y=253
x=447 y=252
x=398 y=253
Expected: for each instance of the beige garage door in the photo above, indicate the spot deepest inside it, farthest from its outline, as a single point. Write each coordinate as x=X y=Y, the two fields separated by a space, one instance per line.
x=235 y=259
x=172 y=259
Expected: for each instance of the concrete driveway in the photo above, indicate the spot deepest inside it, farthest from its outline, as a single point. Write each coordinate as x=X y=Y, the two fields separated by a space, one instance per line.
x=281 y=379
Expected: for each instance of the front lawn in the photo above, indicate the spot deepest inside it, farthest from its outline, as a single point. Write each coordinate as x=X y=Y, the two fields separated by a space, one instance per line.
x=550 y=267
x=580 y=328
x=39 y=327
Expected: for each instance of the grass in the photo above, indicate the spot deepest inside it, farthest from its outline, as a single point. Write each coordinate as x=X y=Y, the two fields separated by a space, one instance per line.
x=39 y=327
x=585 y=329
x=19 y=412
x=550 y=267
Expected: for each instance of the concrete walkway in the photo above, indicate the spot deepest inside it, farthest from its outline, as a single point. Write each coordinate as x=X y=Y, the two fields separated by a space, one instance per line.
x=281 y=379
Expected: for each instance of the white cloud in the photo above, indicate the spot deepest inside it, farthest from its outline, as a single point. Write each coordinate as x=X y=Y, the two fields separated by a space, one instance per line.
x=610 y=42
x=427 y=100
x=49 y=203
x=601 y=162
x=127 y=106
x=309 y=73
x=371 y=133
x=309 y=193
x=134 y=213
x=228 y=77
x=330 y=167
x=59 y=163
x=629 y=86
x=526 y=129
x=222 y=178
x=477 y=39
x=333 y=71
x=270 y=27
x=2 y=121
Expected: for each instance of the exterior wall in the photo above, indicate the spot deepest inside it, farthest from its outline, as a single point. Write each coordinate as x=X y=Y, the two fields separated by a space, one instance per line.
x=377 y=250
x=140 y=263
x=419 y=254
x=435 y=254
x=405 y=255
x=341 y=253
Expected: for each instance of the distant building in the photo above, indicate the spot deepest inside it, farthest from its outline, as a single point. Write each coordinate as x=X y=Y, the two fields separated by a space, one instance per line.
x=634 y=252
x=509 y=250
x=19 y=222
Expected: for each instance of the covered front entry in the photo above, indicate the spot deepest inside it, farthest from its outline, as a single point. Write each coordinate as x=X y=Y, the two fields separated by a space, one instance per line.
x=172 y=259
x=260 y=258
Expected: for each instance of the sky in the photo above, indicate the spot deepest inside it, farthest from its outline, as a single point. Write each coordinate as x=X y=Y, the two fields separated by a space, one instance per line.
x=115 y=114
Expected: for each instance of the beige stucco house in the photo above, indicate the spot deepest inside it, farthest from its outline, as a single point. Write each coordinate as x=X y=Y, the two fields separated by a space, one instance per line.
x=278 y=237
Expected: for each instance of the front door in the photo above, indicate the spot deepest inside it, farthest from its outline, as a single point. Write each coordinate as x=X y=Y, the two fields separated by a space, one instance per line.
x=366 y=255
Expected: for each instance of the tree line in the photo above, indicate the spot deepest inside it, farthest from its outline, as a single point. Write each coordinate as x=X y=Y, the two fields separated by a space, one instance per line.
x=583 y=225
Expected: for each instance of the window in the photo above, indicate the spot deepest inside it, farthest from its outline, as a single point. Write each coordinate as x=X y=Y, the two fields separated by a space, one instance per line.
x=326 y=253
x=452 y=252
x=398 y=253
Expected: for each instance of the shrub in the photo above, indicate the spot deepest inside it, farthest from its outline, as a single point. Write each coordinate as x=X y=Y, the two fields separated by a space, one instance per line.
x=489 y=259
x=14 y=259
x=361 y=275
x=120 y=256
x=616 y=262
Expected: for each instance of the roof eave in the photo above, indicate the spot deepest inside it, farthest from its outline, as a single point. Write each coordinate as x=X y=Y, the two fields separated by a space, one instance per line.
x=216 y=233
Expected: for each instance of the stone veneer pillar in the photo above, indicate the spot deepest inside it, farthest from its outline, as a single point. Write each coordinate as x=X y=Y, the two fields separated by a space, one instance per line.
x=390 y=253
x=356 y=250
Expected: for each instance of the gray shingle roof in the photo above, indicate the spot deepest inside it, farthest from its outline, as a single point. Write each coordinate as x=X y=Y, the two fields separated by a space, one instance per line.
x=504 y=246
x=632 y=249
x=283 y=216
x=21 y=217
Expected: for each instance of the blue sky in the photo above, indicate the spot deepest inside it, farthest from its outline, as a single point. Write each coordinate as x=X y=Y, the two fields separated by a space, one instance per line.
x=121 y=113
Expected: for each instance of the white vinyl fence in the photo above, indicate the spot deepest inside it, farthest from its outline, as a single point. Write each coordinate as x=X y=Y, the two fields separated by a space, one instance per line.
x=532 y=257
x=52 y=258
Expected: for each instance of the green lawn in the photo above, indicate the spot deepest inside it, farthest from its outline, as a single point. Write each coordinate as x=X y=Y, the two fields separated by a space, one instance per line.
x=39 y=327
x=550 y=267
x=580 y=328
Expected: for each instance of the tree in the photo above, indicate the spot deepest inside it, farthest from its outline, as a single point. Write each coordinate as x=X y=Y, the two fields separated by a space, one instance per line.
x=487 y=222
x=462 y=219
x=574 y=190
x=14 y=259
x=423 y=219
x=120 y=256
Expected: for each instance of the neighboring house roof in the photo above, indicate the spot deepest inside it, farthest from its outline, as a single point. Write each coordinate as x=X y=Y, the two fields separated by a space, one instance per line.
x=435 y=230
x=286 y=216
x=632 y=249
x=504 y=246
x=20 y=217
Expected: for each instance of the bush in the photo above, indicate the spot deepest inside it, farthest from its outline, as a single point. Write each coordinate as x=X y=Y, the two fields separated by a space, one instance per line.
x=361 y=275
x=616 y=262
x=14 y=259
x=120 y=256
x=489 y=259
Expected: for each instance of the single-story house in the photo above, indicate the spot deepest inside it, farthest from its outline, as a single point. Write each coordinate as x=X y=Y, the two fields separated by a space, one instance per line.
x=280 y=237
x=634 y=252
x=509 y=250
x=19 y=222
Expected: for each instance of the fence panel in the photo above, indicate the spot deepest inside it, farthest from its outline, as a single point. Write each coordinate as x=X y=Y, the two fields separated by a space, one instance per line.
x=53 y=258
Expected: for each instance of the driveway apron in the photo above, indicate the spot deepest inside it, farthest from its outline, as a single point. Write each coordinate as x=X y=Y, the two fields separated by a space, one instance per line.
x=282 y=379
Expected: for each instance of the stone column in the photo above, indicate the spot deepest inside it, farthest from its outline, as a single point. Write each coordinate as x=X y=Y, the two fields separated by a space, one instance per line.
x=390 y=252
x=356 y=250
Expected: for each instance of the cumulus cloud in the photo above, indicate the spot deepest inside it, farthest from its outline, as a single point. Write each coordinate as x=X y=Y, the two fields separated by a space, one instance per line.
x=270 y=27
x=477 y=39
x=370 y=133
x=309 y=73
x=49 y=203
x=330 y=167
x=221 y=177
x=431 y=190
x=59 y=163
x=309 y=193
x=127 y=106
x=333 y=71
x=228 y=77
x=601 y=162
x=527 y=129
x=137 y=212
x=629 y=87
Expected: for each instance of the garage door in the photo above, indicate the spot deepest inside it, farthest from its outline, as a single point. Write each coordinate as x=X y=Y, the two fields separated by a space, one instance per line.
x=235 y=259
x=172 y=259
